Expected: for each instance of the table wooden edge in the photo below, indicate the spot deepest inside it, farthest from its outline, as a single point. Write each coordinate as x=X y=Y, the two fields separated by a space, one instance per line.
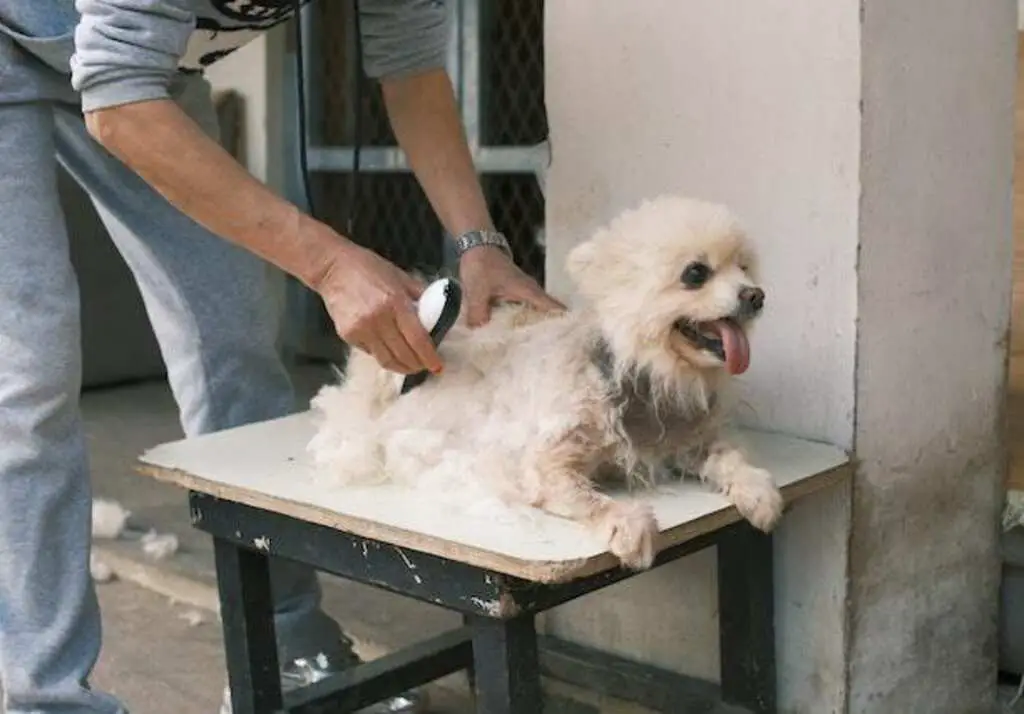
x=548 y=572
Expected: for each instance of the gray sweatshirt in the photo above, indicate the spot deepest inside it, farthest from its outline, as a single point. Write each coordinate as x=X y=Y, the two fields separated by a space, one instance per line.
x=123 y=51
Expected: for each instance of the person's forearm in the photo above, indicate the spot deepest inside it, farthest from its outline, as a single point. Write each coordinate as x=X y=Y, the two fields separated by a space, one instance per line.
x=426 y=121
x=170 y=152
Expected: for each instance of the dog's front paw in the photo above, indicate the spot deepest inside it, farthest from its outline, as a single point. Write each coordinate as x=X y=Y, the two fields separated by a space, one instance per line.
x=757 y=498
x=632 y=531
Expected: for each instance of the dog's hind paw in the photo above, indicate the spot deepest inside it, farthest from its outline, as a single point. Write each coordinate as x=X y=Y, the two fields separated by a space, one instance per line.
x=632 y=532
x=758 y=499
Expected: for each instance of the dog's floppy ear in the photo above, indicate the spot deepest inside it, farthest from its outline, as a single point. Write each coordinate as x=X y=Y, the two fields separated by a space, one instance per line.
x=582 y=258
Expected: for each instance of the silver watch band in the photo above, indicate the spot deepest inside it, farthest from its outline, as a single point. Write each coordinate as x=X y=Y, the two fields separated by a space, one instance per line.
x=477 y=238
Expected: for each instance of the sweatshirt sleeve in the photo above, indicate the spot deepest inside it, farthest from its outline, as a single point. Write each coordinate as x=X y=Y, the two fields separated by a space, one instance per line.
x=403 y=37
x=128 y=50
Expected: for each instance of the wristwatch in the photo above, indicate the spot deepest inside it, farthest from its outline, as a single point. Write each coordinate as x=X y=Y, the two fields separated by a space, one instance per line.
x=477 y=238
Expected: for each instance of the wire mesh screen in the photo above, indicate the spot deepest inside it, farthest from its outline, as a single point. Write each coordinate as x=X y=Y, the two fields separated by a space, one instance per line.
x=394 y=216
x=512 y=73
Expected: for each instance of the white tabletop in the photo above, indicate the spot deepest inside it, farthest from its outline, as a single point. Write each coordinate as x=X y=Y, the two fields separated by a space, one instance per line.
x=265 y=465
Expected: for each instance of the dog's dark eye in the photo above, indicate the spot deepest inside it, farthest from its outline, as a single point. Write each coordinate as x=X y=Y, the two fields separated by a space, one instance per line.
x=695 y=275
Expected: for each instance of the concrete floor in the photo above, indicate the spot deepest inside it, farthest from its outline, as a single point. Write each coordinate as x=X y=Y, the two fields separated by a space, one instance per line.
x=154 y=660
x=158 y=662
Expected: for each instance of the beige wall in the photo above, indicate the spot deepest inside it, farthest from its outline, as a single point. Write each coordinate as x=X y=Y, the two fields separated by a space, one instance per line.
x=254 y=71
x=866 y=145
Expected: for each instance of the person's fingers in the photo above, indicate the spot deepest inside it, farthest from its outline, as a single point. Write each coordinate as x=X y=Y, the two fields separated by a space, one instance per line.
x=531 y=293
x=542 y=301
x=380 y=351
x=478 y=308
x=413 y=286
x=417 y=339
x=393 y=335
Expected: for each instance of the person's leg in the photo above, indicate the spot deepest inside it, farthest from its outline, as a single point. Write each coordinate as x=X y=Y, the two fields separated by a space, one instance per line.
x=49 y=618
x=217 y=327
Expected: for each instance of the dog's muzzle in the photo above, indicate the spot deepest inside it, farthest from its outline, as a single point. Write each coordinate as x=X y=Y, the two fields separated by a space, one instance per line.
x=751 y=303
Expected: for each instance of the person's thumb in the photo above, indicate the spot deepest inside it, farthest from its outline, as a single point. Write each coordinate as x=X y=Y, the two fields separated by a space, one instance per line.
x=535 y=296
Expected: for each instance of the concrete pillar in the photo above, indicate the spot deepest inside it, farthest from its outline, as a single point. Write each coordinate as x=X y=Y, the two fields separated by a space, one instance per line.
x=868 y=147
x=934 y=283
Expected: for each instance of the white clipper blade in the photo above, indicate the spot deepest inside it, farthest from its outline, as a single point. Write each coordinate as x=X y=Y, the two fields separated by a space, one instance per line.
x=437 y=309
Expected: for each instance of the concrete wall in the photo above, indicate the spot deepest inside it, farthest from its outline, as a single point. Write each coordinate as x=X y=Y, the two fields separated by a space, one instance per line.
x=254 y=71
x=865 y=147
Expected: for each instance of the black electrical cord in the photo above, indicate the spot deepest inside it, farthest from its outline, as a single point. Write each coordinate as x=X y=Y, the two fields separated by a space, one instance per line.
x=357 y=104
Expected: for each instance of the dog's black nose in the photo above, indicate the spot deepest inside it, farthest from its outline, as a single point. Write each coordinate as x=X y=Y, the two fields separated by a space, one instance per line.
x=752 y=299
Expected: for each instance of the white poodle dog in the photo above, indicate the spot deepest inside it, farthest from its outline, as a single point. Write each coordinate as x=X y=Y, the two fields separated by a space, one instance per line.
x=544 y=409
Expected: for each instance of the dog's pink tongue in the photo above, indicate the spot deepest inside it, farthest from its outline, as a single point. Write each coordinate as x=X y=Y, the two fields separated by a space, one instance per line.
x=734 y=344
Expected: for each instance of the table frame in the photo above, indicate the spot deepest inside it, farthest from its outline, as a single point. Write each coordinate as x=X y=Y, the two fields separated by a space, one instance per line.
x=498 y=644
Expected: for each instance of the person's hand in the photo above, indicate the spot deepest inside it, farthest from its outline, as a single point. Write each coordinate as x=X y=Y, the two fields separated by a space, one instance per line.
x=373 y=306
x=489 y=276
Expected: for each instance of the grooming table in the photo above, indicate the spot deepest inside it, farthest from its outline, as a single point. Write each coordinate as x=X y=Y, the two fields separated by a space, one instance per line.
x=253 y=490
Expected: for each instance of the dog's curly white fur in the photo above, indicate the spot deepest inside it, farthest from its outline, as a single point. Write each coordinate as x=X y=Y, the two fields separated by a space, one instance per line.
x=543 y=408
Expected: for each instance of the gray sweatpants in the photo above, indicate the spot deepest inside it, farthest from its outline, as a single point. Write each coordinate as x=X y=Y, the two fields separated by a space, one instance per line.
x=216 y=326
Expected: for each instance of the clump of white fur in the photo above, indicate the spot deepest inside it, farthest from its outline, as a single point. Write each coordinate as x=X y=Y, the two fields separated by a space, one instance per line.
x=524 y=413
x=109 y=519
x=99 y=570
x=159 y=546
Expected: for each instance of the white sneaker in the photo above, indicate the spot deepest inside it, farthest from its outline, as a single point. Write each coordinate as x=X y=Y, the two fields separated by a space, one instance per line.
x=303 y=672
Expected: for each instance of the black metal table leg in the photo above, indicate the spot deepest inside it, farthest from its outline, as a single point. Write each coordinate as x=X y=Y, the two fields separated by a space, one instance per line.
x=506 y=667
x=467 y=620
x=746 y=612
x=247 y=614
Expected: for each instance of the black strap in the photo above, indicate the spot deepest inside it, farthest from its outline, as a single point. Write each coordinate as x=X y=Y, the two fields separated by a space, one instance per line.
x=357 y=127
